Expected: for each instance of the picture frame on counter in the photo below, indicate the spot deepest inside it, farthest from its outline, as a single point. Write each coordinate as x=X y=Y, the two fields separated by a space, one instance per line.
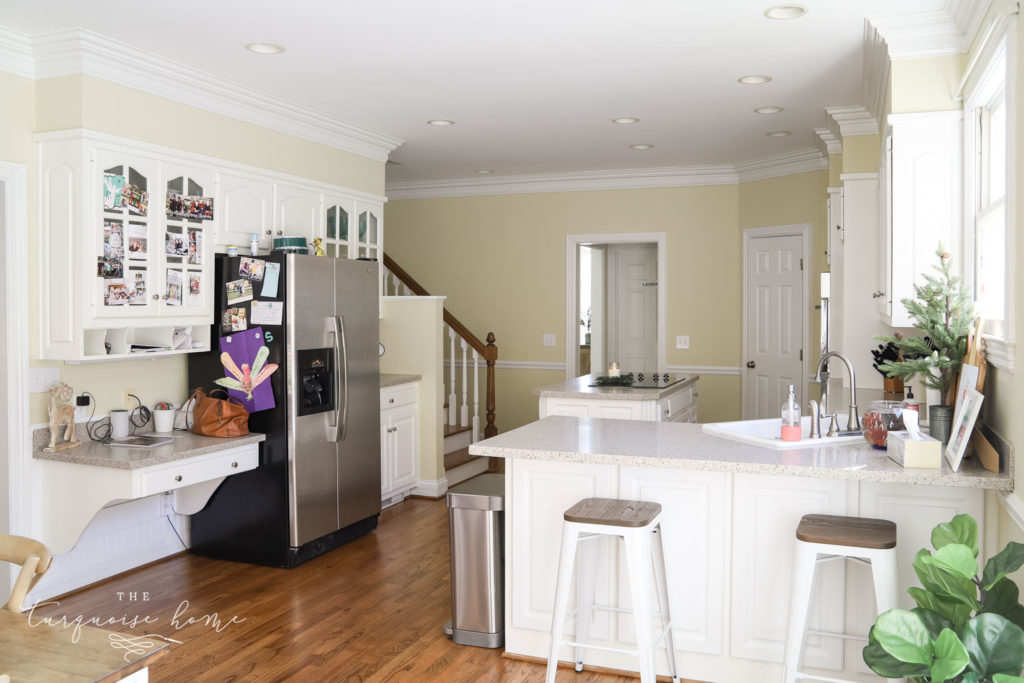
x=963 y=426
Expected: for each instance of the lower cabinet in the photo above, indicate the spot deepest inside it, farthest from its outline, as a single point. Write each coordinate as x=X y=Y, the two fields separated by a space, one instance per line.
x=399 y=440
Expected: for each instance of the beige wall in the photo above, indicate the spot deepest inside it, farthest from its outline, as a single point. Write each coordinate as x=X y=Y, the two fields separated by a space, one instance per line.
x=411 y=331
x=926 y=83
x=861 y=153
x=81 y=101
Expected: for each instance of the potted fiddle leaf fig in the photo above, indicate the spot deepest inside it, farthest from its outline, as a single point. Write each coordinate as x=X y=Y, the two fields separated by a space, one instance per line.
x=966 y=628
x=944 y=312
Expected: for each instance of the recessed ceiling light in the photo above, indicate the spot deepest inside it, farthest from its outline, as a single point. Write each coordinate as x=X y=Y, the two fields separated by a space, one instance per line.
x=441 y=122
x=264 y=48
x=641 y=146
x=778 y=133
x=753 y=79
x=484 y=171
x=768 y=110
x=785 y=11
x=625 y=119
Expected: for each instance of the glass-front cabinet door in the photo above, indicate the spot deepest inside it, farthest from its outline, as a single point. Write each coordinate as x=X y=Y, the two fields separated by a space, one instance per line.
x=370 y=235
x=338 y=242
x=188 y=204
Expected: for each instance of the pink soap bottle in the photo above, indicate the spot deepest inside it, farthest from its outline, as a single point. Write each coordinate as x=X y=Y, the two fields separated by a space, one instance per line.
x=791 y=418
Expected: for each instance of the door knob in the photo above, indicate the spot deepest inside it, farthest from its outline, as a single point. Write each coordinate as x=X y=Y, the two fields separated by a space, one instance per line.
x=877 y=295
x=751 y=364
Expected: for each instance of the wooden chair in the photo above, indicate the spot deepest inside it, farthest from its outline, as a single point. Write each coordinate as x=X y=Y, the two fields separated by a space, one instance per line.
x=34 y=559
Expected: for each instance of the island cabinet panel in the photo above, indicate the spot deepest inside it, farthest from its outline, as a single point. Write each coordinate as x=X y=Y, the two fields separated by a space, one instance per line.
x=544 y=491
x=693 y=532
x=766 y=512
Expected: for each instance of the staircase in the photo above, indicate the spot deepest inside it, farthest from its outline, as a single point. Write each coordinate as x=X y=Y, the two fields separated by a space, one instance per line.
x=462 y=360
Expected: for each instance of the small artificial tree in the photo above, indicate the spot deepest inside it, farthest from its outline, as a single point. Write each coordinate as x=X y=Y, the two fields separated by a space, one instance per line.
x=944 y=312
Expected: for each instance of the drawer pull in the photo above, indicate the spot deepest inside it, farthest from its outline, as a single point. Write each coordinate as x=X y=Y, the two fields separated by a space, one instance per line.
x=391 y=400
x=177 y=477
x=234 y=465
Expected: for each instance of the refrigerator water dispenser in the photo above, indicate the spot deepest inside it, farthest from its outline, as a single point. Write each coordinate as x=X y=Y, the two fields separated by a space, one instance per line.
x=316 y=381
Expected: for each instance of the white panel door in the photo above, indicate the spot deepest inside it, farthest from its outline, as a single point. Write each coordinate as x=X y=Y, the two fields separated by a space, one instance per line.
x=296 y=212
x=633 y=307
x=775 y=300
x=766 y=512
x=243 y=208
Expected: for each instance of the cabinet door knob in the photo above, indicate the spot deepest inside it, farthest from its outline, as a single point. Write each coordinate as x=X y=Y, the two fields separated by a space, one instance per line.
x=877 y=295
x=234 y=465
x=280 y=232
x=391 y=400
x=164 y=297
x=751 y=364
x=177 y=477
x=270 y=232
x=156 y=297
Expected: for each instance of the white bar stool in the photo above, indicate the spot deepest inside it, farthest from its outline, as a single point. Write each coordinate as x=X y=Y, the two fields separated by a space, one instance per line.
x=868 y=541
x=638 y=524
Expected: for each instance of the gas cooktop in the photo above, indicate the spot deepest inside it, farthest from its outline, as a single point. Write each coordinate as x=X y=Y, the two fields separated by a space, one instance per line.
x=638 y=380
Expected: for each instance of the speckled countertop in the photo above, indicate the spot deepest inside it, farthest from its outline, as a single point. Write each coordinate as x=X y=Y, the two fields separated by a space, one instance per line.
x=685 y=446
x=391 y=380
x=580 y=388
x=98 y=454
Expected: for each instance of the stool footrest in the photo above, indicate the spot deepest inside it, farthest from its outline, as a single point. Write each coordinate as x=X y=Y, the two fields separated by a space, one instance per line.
x=800 y=676
x=833 y=634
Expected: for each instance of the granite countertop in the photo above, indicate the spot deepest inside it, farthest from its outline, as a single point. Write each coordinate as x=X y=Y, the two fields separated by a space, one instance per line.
x=98 y=454
x=679 y=445
x=391 y=380
x=580 y=388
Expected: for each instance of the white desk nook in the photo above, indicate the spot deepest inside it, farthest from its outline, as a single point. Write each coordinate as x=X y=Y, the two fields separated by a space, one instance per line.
x=729 y=511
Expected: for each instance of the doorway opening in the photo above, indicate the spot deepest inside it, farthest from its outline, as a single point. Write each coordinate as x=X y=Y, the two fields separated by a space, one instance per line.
x=616 y=288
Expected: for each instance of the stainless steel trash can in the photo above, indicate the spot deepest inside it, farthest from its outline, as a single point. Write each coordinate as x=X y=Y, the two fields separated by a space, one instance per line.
x=476 y=515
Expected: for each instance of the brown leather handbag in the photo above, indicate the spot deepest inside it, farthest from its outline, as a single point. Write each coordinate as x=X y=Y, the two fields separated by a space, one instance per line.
x=216 y=416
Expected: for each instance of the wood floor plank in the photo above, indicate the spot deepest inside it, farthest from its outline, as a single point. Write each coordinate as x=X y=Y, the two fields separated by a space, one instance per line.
x=369 y=612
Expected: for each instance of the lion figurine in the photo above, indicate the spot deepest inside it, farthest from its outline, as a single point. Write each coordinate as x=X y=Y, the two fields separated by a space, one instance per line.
x=62 y=412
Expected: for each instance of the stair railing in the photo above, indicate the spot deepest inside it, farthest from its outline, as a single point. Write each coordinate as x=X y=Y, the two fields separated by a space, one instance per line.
x=397 y=282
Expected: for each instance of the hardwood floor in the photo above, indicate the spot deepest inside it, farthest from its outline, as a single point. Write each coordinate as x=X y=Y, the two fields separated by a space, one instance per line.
x=370 y=611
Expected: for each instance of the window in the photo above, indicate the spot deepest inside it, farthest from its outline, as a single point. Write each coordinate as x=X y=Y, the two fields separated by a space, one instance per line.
x=987 y=173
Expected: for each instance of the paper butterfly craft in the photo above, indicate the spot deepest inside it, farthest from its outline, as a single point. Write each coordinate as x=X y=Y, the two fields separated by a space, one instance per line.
x=247 y=379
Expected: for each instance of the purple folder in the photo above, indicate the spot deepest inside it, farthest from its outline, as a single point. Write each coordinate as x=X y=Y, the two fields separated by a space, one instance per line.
x=242 y=347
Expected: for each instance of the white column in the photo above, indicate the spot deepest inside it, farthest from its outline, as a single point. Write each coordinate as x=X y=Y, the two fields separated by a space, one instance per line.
x=451 y=377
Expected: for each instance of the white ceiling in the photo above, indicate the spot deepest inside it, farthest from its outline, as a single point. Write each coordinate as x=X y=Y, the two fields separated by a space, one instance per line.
x=531 y=84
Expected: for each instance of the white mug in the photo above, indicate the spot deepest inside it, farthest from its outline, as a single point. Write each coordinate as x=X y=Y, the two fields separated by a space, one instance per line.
x=119 y=424
x=163 y=420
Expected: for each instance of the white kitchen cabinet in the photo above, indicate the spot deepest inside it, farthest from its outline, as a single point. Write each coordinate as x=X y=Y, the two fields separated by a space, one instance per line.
x=575 y=398
x=371 y=230
x=925 y=187
x=297 y=211
x=246 y=207
x=399 y=440
x=116 y=271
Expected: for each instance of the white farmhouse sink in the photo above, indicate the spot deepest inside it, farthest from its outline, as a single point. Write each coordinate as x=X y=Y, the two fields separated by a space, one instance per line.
x=766 y=433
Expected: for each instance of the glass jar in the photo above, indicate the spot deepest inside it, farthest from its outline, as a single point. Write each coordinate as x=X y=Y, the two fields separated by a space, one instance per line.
x=879 y=419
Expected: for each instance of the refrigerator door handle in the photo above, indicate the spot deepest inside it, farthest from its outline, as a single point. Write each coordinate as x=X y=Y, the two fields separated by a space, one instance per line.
x=340 y=379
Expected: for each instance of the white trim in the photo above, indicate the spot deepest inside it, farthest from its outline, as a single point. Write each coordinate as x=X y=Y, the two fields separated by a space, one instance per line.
x=873 y=175
x=1014 y=508
x=572 y=328
x=16 y=54
x=803 y=231
x=877 y=70
x=853 y=120
x=791 y=163
x=999 y=352
x=77 y=51
x=705 y=369
x=828 y=143
x=21 y=479
x=430 y=488
x=946 y=31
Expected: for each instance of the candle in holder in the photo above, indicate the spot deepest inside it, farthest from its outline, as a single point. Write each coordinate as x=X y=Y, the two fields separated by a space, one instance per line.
x=613 y=370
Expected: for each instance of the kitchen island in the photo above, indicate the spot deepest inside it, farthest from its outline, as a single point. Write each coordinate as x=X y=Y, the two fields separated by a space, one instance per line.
x=672 y=399
x=730 y=511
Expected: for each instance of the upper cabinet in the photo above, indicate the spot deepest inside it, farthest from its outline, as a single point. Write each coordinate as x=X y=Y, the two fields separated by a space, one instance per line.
x=921 y=205
x=129 y=231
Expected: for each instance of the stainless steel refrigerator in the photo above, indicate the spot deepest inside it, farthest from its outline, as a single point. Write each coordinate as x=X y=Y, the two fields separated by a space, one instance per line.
x=318 y=483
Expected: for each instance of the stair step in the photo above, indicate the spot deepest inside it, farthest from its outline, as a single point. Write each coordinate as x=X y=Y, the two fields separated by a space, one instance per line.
x=451 y=430
x=459 y=457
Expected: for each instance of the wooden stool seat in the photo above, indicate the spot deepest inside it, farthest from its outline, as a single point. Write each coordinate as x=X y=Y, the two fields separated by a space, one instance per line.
x=855 y=532
x=613 y=512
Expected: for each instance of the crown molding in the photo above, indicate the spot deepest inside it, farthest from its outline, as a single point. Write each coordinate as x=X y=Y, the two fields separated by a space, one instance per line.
x=580 y=181
x=800 y=161
x=77 y=51
x=854 y=120
x=16 y=54
x=827 y=143
x=877 y=70
x=946 y=31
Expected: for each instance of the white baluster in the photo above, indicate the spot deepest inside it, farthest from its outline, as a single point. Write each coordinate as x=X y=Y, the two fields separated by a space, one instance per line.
x=464 y=413
x=451 y=378
x=391 y=283
x=476 y=396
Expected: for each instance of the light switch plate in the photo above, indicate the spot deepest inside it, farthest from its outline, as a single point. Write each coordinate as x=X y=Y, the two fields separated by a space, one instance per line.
x=549 y=340
x=41 y=379
x=683 y=341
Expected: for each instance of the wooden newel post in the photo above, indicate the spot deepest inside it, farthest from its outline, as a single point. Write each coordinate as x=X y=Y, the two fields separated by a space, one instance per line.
x=491 y=356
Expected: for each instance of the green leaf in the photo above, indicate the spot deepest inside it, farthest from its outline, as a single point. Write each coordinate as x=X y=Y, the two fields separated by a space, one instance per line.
x=887 y=666
x=950 y=657
x=1006 y=562
x=994 y=645
x=1002 y=597
x=956 y=558
x=970 y=677
x=949 y=609
x=902 y=634
x=936 y=579
x=1006 y=678
x=933 y=621
x=961 y=529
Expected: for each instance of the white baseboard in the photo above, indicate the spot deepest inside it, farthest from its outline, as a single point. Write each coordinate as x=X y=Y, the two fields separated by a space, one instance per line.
x=466 y=470
x=430 y=489
x=119 y=538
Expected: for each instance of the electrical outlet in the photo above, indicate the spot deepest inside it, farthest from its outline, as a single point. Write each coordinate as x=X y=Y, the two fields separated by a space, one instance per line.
x=129 y=402
x=41 y=379
x=549 y=340
x=81 y=413
x=683 y=341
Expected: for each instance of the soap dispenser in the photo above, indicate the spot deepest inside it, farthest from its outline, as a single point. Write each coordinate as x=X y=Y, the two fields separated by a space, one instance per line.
x=791 y=417
x=910 y=403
